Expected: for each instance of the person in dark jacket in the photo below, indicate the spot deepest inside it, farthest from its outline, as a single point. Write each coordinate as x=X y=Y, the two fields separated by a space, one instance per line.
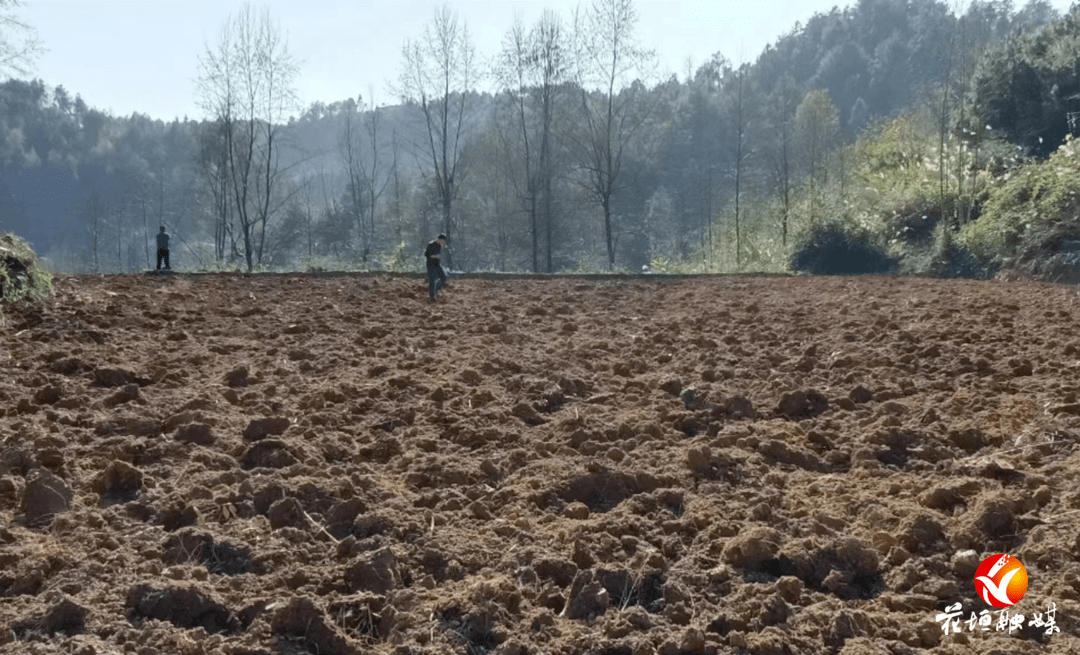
x=162 y=249
x=436 y=275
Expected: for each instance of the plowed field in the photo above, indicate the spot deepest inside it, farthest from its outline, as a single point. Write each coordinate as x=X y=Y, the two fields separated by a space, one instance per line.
x=231 y=464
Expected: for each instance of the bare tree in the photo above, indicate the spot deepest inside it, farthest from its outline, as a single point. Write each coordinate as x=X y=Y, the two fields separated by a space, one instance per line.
x=698 y=158
x=531 y=70
x=436 y=75
x=817 y=130
x=377 y=179
x=364 y=167
x=19 y=47
x=19 y=44
x=212 y=161
x=782 y=112
x=94 y=209
x=399 y=188
x=350 y=146
x=608 y=56
x=738 y=120
x=246 y=83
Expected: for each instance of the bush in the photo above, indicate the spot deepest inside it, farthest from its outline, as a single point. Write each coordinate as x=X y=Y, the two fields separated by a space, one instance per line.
x=1033 y=195
x=398 y=260
x=914 y=223
x=832 y=248
x=952 y=260
x=21 y=279
x=1050 y=252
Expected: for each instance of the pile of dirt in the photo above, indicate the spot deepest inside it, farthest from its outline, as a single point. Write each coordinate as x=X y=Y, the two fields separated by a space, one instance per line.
x=288 y=464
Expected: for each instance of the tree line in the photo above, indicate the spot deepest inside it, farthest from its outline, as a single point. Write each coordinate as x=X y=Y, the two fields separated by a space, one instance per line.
x=581 y=157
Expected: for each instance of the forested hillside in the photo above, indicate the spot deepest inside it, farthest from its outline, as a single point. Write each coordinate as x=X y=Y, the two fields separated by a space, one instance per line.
x=897 y=134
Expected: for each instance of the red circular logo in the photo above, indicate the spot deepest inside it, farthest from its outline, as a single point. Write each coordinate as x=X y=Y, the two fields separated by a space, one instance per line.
x=1001 y=580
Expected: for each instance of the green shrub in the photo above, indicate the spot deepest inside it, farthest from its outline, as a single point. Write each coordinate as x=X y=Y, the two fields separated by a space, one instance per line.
x=400 y=259
x=1050 y=251
x=832 y=248
x=953 y=260
x=21 y=279
x=914 y=227
x=1033 y=195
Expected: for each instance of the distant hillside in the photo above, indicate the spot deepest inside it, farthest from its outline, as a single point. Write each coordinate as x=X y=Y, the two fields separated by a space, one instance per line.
x=316 y=136
x=85 y=188
x=875 y=57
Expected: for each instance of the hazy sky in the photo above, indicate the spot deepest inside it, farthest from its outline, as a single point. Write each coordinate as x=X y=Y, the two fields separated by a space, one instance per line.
x=142 y=56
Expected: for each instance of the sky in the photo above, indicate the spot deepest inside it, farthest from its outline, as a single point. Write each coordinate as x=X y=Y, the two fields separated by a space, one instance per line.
x=127 y=56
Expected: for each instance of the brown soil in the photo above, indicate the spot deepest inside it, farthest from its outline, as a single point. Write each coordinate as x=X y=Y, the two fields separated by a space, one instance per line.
x=297 y=464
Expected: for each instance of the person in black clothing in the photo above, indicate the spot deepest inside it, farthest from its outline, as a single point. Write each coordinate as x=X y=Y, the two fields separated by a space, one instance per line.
x=163 y=249
x=436 y=275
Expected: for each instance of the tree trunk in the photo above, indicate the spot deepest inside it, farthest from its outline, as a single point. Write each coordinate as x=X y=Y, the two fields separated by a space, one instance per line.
x=607 y=231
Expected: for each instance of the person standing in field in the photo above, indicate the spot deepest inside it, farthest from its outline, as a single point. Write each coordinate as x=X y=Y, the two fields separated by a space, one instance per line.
x=436 y=275
x=162 y=249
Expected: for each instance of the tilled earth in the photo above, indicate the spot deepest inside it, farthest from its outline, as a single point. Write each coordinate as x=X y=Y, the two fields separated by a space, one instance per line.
x=331 y=465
